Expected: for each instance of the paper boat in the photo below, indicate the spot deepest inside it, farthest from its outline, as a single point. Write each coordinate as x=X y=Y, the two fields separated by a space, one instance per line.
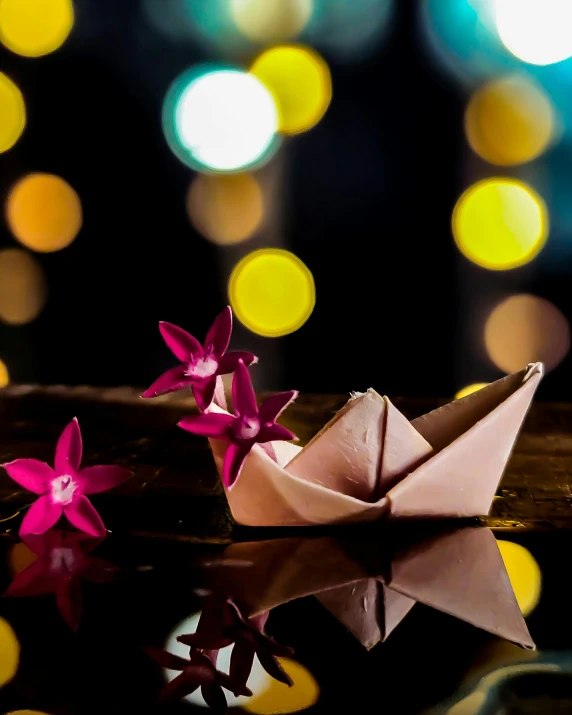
x=369 y=461
x=370 y=589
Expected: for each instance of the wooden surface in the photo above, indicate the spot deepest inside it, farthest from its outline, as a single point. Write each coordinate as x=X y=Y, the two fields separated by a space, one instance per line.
x=175 y=479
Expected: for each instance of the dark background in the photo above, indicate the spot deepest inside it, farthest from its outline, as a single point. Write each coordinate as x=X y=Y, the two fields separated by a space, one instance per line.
x=367 y=198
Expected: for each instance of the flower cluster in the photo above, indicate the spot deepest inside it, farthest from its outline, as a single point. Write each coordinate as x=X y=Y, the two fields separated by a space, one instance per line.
x=221 y=625
x=202 y=366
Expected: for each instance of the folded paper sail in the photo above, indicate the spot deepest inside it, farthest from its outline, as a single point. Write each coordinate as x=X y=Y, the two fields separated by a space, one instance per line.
x=370 y=462
x=371 y=589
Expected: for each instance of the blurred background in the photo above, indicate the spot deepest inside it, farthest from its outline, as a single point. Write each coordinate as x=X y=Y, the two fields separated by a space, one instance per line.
x=380 y=189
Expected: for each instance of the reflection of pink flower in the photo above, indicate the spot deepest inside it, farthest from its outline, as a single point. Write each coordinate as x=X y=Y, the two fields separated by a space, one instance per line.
x=63 y=488
x=248 y=638
x=63 y=561
x=248 y=426
x=198 y=671
x=201 y=363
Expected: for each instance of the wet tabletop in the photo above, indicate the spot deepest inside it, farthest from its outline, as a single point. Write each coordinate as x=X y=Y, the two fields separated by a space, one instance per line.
x=178 y=607
x=92 y=626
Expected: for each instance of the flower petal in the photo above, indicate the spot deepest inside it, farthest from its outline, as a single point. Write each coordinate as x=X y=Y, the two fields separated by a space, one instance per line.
x=83 y=515
x=69 y=601
x=205 y=641
x=69 y=449
x=184 y=684
x=204 y=392
x=37 y=579
x=102 y=477
x=271 y=408
x=166 y=659
x=219 y=332
x=229 y=361
x=214 y=697
x=269 y=433
x=41 y=516
x=273 y=667
x=182 y=344
x=241 y=662
x=208 y=425
x=243 y=397
x=173 y=379
x=33 y=475
x=233 y=461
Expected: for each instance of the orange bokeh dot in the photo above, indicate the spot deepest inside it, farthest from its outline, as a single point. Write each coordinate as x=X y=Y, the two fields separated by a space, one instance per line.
x=44 y=212
x=524 y=329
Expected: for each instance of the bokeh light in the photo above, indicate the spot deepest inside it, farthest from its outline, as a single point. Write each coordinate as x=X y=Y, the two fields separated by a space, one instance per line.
x=272 y=292
x=20 y=557
x=524 y=329
x=470 y=389
x=266 y=21
x=524 y=573
x=300 y=82
x=536 y=31
x=9 y=653
x=278 y=698
x=500 y=224
x=12 y=113
x=225 y=209
x=350 y=29
x=22 y=287
x=35 y=27
x=509 y=121
x=4 y=374
x=26 y=712
x=44 y=212
x=220 y=119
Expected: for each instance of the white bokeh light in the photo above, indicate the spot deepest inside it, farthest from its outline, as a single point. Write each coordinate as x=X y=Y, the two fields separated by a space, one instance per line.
x=538 y=32
x=227 y=120
x=258 y=681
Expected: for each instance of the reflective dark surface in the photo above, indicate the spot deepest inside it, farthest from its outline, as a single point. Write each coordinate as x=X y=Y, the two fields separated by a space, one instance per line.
x=367 y=618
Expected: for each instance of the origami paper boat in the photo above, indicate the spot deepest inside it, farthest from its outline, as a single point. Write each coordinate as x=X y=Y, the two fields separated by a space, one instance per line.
x=370 y=462
x=370 y=591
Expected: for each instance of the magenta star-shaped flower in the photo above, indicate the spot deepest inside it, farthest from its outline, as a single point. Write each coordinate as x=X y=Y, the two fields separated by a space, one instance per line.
x=248 y=639
x=63 y=489
x=248 y=426
x=198 y=671
x=64 y=560
x=201 y=364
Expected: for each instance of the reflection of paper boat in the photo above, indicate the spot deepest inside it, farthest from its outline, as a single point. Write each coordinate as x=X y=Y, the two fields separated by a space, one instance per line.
x=460 y=572
x=370 y=461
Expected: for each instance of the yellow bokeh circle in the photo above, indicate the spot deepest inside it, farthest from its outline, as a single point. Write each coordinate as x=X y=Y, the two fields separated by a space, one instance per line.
x=300 y=82
x=12 y=113
x=4 y=374
x=272 y=292
x=524 y=573
x=525 y=328
x=509 y=121
x=9 y=653
x=470 y=389
x=500 y=223
x=266 y=21
x=33 y=28
x=44 y=212
x=226 y=209
x=278 y=698
x=26 y=712
x=22 y=287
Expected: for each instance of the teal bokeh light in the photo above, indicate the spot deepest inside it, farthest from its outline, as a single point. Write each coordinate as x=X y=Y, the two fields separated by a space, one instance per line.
x=350 y=29
x=220 y=119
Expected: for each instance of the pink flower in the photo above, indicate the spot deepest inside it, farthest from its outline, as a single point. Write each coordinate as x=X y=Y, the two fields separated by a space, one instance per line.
x=248 y=426
x=63 y=488
x=198 y=671
x=249 y=640
x=201 y=364
x=64 y=560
